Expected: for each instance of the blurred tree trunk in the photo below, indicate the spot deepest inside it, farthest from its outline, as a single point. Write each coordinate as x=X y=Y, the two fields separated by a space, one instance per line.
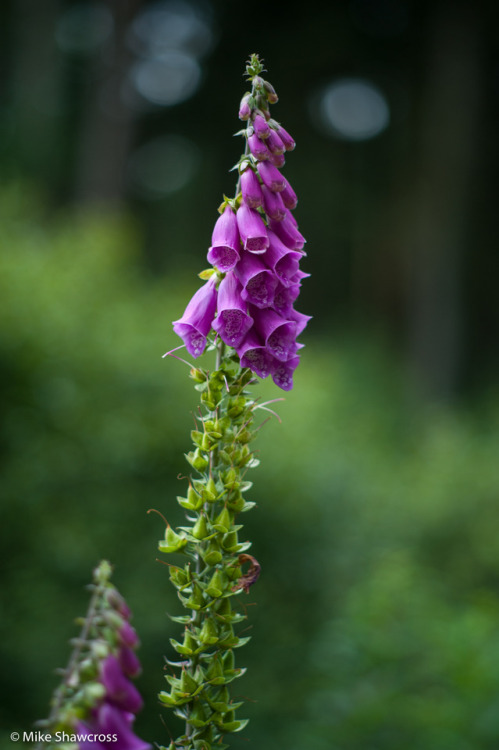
x=36 y=83
x=108 y=122
x=436 y=242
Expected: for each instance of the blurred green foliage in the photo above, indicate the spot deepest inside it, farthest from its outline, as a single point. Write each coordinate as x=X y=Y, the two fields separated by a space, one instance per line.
x=375 y=621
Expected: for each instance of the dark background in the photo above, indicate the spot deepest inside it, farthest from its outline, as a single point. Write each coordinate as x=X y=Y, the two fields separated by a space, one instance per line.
x=375 y=620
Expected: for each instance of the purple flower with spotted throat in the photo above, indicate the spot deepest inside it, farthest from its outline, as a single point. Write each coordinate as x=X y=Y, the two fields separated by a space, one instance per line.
x=195 y=324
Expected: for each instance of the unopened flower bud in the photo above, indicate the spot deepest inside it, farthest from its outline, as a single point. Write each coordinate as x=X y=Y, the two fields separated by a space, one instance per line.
x=261 y=127
x=270 y=91
x=245 y=108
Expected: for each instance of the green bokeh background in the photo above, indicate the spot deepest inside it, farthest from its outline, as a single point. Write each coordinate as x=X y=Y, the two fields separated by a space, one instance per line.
x=375 y=623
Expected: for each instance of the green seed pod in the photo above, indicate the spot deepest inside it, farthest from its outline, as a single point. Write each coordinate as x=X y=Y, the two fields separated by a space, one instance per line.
x=197 y=716
x=217 y=585
x=197 y=437
x=207 y=442
x=210 y=493
x=187 y=683
x=197 y=375
x=222 y=522
x=230 y=542
x=235 y=502
x=236 y=406
x=208 y=633
x=197 y=460
x=178 y=577
x=196 y=599
x=228 y=660
x=200 y=530
x=173 y=542
x=215 y=673
x=212 y=555
x=229 y=478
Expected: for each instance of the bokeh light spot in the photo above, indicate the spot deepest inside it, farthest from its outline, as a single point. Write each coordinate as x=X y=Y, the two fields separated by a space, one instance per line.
x=353 y=109
x=168 y=80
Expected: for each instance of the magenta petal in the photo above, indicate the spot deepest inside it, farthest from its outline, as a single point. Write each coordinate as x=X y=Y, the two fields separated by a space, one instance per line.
x=271 y=176
x=258 y=148
x=273 y=204
x=274 y=143
x=258 y=281
x=278 y=160
x=277 y=333
x=253 y=354
x=129 y=661
x=282 y=373
x=195 y=323
x=232 y=322
x=284 y=298
x=113 y=722
x=119 y=690
x=289 y=142
x=261 y=126
x=251 y=189
x=225 y=244
x=281 y=260
x=252 y=229
x=300 y=319
x=128 y=635
x=287 y=231
x=289 y=197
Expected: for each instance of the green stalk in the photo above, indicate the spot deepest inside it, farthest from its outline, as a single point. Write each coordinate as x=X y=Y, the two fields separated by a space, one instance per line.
x=211 y=576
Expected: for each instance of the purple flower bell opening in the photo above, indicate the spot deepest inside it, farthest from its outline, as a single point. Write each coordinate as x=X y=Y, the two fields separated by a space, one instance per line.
x=253 y=354
x=277 y=333
x=282 y=373
x=232 y=322
x=225 y=245
x=258 y=281
x=252 y=229
x=195 y=324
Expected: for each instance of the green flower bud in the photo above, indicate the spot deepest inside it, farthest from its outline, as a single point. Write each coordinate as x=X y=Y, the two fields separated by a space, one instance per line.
x=186 y=648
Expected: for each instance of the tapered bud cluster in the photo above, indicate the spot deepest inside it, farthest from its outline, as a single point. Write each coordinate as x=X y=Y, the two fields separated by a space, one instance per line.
x=97 y=701
x=256 y=250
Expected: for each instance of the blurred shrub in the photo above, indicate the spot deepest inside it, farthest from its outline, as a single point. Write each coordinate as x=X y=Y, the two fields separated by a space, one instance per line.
x=375 y=625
